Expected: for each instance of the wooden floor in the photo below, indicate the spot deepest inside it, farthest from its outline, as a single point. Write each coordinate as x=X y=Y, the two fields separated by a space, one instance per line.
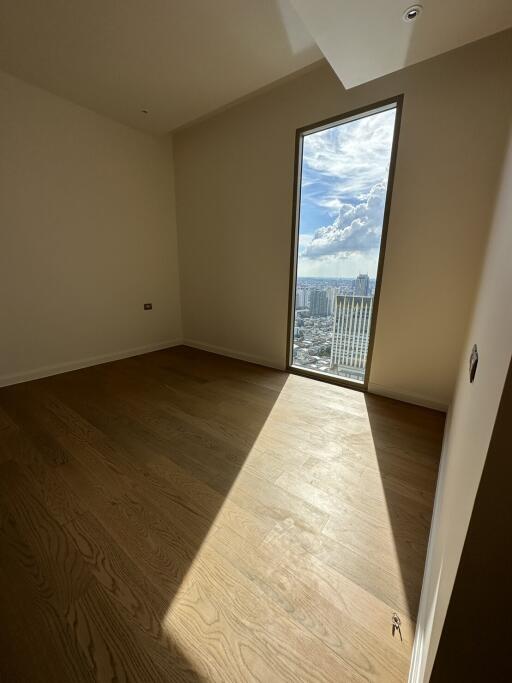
x=181 y=516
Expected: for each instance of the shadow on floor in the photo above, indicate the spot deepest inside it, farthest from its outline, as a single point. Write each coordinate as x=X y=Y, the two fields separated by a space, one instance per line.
x=407 y=441
x=111 y=477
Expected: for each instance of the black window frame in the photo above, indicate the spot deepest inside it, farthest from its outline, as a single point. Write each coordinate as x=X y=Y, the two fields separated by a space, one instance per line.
x=396 y=103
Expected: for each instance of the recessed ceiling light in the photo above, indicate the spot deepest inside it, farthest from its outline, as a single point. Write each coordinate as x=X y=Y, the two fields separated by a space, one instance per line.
x=412 y=13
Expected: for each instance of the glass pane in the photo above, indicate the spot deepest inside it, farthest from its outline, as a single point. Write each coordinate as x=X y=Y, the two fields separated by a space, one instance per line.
x=343 y=188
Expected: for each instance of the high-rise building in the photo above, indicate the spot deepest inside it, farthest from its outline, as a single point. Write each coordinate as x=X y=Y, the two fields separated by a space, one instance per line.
x=300 y=298
x=350 y=335
x=332 y=293
x=318 y=302
x=362 y=286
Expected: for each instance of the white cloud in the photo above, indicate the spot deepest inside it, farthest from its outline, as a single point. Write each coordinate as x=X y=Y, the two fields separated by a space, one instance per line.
x=304 y=240
x=350 y=157
x=357 y=229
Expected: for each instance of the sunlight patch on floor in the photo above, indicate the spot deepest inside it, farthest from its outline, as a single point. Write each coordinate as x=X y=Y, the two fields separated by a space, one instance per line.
x=318 y=473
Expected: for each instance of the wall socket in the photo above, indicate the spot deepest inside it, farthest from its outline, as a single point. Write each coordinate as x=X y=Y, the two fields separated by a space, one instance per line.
x=148 y=307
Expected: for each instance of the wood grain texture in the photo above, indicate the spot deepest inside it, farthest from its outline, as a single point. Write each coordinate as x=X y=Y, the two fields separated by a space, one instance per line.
x=181 y=516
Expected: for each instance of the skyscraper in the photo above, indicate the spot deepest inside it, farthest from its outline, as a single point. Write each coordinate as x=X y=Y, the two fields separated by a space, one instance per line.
x=362 y=286
x=350 y=335
x=300 y=298
x=318 y=302
x=332 y=293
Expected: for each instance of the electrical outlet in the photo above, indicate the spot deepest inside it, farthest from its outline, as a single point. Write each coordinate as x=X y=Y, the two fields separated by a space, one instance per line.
x=148 y=307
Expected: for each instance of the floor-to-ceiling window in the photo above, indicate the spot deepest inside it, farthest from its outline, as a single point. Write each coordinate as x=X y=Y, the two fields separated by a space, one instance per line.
x=343 y=186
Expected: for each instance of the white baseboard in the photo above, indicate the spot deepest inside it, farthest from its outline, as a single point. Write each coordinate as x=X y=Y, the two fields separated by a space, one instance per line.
x=232 y=353
x=59 y=368
x=261 y=360
x=48 y=370
x=417 y=659
x=416 y=399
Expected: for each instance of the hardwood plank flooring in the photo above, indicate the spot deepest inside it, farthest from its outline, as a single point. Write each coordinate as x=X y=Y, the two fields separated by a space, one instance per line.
x=181 y=516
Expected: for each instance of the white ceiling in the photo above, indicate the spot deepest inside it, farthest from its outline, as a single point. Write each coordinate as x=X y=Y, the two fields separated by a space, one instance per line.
x=365 y=39
x=183 y=59
x=180 y=59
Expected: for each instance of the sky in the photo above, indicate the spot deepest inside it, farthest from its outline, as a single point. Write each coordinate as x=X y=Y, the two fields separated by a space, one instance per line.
x=343 y=192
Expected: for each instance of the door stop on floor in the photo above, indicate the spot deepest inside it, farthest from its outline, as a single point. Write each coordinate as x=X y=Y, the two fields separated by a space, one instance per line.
x=395 y=625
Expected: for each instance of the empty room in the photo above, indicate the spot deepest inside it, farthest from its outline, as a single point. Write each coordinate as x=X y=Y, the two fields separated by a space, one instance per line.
x=255 y=341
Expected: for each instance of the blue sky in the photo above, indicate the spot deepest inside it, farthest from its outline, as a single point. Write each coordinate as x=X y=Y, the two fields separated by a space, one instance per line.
x=343 y=190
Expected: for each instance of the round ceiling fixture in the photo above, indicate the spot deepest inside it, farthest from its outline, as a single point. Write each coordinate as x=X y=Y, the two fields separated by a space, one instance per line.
x=412 y=13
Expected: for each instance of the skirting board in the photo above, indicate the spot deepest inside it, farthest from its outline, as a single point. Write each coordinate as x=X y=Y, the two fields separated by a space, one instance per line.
x=260 y=360
x=407 y=398
x=231 y=353
x=48 y=370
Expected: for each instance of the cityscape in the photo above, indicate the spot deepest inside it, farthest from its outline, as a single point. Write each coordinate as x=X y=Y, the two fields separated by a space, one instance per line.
x=332 y=325
x=344 y=178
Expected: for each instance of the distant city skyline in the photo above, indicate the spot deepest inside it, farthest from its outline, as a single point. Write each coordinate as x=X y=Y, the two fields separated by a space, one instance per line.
x=331 y=329
x=343 y=194
x=343 y=190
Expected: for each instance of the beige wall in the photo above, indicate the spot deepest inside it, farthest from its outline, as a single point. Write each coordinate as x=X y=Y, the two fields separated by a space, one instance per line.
x=469 y=429
x=87 y=235
x=234 y=177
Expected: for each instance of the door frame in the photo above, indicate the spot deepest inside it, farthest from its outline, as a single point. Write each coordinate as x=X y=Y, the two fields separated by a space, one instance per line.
x=392 y=102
